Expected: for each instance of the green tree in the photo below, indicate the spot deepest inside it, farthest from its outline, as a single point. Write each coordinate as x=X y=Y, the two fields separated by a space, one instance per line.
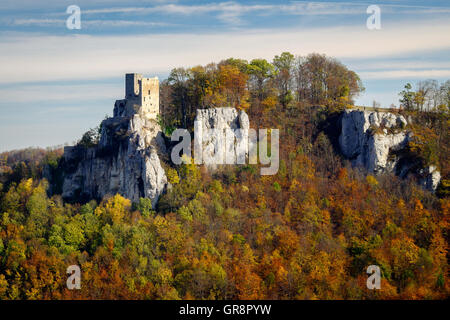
x=144 y=206
x=407 y=98
x=260 y=71
x=90 y=138
x=284 y=64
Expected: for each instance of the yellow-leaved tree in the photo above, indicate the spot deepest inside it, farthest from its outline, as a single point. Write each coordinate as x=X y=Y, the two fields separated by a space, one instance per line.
x=114 y=209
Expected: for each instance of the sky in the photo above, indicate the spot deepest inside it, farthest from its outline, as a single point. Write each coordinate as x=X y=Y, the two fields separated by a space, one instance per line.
x=56 y=82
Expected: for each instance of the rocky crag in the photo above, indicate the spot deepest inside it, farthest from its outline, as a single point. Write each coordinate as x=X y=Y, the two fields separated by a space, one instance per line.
x=126 y=159
x=217 y=147
x=378 y=141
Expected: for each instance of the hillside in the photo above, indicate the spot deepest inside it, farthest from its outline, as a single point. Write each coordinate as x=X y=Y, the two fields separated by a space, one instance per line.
x=307 y=232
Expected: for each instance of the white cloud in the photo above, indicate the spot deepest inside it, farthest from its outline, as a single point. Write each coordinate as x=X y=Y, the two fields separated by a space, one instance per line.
x=384 y=98
x=25 y=58
x=231 y=11
x=406 y=74
x=89 y=23
x=398 y=64
x=51 y=4
x=124 y=23
x=295 y=8
x=38 y=22
x=24 y=93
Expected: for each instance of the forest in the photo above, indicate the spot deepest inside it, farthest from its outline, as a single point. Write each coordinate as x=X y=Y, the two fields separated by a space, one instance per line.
x=308 y=232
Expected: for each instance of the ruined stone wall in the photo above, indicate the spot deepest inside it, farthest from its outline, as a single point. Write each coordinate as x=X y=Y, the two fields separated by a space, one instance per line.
x=141 y=97
x=132 y=85
x=126 y=159
x=149 y=97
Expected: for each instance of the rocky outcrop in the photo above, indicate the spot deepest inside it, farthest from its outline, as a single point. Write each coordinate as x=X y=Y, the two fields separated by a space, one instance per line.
x=377 y=141
x=368 y=138
x=125 y=161
x=214 y=125
x=430 y=178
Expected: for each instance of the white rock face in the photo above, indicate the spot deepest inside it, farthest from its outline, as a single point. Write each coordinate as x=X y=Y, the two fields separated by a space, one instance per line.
x=373 y=139
x=431 y=178
x=380 y=147
x=224 y=135
x=126 y=161
x=369 y=149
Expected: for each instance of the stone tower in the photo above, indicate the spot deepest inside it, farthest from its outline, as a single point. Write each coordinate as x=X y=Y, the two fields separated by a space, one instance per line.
x=126 y=159
x=141 y=96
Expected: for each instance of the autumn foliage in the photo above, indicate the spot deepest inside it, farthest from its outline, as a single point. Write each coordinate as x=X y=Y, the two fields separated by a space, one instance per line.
x=308 y=232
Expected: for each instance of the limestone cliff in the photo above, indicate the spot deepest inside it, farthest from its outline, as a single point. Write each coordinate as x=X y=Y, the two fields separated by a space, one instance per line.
x=125 y=161
x=377 y=141
x=217 y=147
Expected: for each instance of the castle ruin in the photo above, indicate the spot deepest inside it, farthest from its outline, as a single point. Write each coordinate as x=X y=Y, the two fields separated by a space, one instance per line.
x=141 y=97
x=126 y=159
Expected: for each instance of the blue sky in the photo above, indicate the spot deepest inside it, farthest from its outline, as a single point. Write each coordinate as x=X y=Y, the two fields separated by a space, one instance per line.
x=56 y=83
